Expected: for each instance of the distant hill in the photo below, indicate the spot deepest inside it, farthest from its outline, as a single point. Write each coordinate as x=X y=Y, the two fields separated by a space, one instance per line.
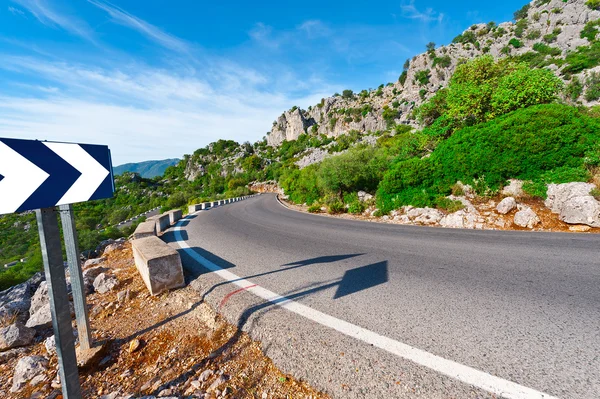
x=147 y=169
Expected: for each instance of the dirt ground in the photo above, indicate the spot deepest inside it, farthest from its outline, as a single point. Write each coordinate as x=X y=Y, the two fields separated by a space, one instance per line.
x=168 y=345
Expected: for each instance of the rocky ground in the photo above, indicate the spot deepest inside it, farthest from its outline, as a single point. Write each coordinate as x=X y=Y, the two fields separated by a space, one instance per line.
x=569 y=208
x=172 y=345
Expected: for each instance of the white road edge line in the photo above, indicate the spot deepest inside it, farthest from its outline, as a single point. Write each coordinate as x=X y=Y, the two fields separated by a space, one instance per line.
x=496 y=385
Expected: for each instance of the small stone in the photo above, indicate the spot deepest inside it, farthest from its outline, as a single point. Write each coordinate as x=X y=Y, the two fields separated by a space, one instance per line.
x=205 y=375
x=165 y=392
x=134 y=345
x=222 y=379
x=506 y=205
x=123 y=296
x=26 y=369
x=104 y=283
x=15 y=335
x=526 y=217
x=37 y=380
x=50 y=345
x=196 y=384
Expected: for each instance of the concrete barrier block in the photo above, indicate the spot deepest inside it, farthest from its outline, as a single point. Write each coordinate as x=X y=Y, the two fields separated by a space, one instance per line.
x=174 y=216
x=205 y=205
x=145 y=229
x=194 y=208
x=158 y=264
x=163 y=222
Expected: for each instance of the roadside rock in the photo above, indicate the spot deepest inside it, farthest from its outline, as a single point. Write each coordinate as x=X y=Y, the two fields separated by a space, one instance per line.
x=41 y=318
x=573 y=203
x=16 y=301
x=93 y=262
x=40 y=298
x=104 y=283
x=526 y=217
x=462 y=219
x=50 y=345
x=15 y=335
x=112 y=247
x=469 y=207
x=26 y=369
x=425 y=215
x=514 y=188
x=364 y=196
x=90 y=275
x=506 y=205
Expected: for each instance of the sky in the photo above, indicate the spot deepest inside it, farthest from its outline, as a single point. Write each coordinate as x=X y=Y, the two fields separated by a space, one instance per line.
x=158 y=79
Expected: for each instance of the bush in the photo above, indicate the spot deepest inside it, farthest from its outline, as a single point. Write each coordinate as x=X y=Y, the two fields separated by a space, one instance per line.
x=314 y=208
x=443 y=61
x=534 y=34
x=422 y=77
x=522 y=13
x=449 y=205
x=402 y=78
x=593 y=4
x=515 y=43
x=336 y=206
x=593 y=90
x=574 y=89
x=348 y=94
x=544 y=143
x=356 y=207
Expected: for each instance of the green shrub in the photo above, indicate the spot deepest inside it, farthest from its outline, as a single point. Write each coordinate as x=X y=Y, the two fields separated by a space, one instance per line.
x=584 y=57
x=448 y=205
x=515 y=43
x=402 y=78
x=444 y=61
x=422 y=77
x=595 y=192
x=590 y=30
x=593 y=90
x=546 y=50
x=522 y=13
x=335 y=206
x=314 y=208
x=534 y=34
x=542 y=143
x=574 y=89
x=348 y=94
x=593 y=4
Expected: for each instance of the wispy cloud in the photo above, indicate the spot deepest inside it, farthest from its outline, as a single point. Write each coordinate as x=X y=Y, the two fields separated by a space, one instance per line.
x=410 y=11
x=314 y=29
x=150 y=31
x=263 y=34
x=49 y=16
x=137 y=110
x=15 y=11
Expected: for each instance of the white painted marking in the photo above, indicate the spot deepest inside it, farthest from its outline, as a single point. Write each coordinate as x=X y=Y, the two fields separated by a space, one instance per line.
x=92 y=173
x=21 y=178
x=496 y=385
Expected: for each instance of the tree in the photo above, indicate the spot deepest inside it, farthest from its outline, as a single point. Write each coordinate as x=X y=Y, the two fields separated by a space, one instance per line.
x=430 y=46
x=348 y=94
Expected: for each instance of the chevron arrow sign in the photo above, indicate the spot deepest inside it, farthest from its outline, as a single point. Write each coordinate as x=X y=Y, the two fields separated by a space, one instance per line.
x=41 y=174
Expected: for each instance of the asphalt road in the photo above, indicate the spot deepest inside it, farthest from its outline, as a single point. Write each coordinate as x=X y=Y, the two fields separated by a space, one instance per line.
x=522 y=307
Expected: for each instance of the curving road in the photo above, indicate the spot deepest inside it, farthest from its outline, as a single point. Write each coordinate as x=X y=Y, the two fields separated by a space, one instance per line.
x=375 y=310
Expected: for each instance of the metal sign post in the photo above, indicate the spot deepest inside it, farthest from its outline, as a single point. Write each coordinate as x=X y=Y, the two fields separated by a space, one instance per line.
x=41 y=175
x=59 y=301
x=72 y=247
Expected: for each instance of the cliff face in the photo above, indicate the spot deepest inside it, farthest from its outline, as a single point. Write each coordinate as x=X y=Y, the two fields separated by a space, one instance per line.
x=554 y=24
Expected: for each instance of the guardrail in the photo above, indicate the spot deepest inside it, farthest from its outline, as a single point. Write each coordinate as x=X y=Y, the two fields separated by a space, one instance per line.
x=159 y=264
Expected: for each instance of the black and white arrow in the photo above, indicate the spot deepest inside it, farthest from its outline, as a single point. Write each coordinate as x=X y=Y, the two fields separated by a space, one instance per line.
x=20 y=179
x=37 y=174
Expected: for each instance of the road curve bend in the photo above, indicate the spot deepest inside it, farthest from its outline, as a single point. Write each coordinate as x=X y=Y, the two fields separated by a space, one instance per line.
x=370 y=310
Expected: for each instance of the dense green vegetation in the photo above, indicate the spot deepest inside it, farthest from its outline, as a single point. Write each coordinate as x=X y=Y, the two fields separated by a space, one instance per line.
x=491 y=110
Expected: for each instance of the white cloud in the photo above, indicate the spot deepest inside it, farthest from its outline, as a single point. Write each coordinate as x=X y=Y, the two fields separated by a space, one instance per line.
x=49 y=16
x=150 y=31
x=410 y=11
x=143 y=112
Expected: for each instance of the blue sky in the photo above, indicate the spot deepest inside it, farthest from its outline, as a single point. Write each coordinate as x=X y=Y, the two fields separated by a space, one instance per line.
x=157 y=79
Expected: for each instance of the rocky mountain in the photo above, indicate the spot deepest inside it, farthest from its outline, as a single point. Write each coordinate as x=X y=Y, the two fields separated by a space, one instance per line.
x=147 y=169
x=555 y=34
